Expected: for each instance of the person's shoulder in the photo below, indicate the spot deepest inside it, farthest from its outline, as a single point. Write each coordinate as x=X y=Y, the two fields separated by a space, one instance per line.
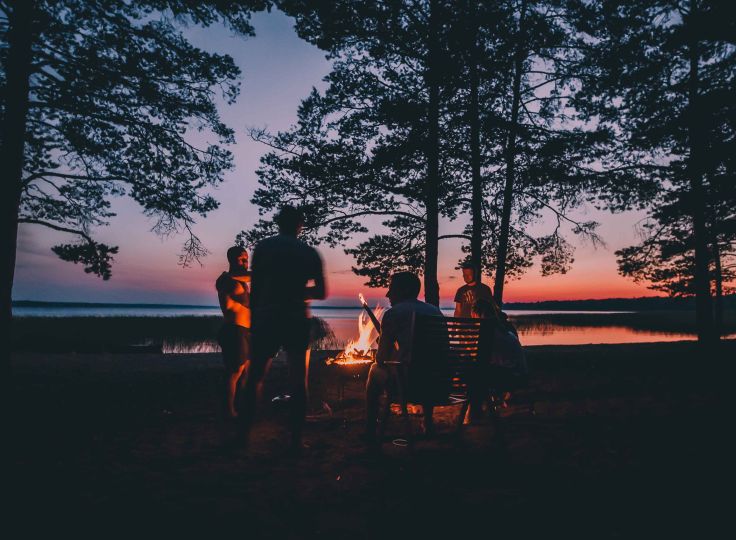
x=306 y=247
x=225 y=282
x=265 y=243
x=426 y=309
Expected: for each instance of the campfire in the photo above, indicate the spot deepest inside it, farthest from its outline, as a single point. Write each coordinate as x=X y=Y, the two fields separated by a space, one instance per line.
x=360 y=351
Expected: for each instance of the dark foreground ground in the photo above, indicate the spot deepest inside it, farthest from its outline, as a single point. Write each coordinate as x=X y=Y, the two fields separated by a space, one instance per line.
x=627 y=441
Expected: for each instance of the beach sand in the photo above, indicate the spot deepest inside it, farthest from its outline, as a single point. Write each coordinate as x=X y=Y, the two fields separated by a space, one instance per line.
x=626 y=441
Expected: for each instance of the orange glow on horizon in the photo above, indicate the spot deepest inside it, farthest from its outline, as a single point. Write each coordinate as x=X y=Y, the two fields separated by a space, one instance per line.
x=531 y=288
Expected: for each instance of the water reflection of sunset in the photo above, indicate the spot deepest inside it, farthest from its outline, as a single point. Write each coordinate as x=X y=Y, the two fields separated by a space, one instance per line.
x=582 y=335
x=543 y=333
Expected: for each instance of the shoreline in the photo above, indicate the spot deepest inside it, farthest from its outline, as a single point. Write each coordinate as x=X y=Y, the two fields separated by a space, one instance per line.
x=181 y=333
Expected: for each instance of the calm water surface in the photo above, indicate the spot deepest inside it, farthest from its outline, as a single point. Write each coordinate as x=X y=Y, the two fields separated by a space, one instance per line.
x=345 y=327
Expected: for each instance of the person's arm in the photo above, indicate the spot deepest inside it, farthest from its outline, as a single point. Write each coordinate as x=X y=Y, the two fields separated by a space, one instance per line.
x=245 y=278
x=319 y=290
x=226 y=290
x=458 y=304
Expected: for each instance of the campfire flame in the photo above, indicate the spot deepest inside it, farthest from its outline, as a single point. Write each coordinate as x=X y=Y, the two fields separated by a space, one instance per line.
x=360 y=351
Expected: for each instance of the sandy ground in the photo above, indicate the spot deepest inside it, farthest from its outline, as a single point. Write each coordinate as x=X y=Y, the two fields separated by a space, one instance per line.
x=626 y=441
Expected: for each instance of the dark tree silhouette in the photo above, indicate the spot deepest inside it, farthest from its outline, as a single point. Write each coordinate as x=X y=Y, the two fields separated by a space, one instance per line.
x=662 y=74
x=367 y=147
x=379 y=126
x=535 y=164
x=665 y=259
x=97 y=98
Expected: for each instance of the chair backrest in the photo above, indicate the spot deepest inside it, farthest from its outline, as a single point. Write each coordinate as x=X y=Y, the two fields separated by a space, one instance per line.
x=444 y=351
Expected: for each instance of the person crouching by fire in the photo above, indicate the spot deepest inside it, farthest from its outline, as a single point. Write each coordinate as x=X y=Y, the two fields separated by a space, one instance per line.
x=234 y=336
x=395 y=345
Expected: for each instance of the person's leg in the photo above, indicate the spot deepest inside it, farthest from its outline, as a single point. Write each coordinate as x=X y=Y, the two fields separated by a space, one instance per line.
x=427 y=410
x=232 y=383
x=261 y=348
x=234 y=363
x=249 y=395
x=477 y=390
x=294 y=332
x=297 y=358
x=375 y=386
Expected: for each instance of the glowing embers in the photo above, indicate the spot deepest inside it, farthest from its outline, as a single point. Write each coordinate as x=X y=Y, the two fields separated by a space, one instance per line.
x=360 y=351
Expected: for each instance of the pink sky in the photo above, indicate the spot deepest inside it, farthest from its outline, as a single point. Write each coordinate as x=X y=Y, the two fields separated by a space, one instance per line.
x=278 y=71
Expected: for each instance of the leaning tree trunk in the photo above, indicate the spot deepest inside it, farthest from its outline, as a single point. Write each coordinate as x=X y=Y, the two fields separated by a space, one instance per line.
x=17 y=84
x=510 y=158
x=476 y=204
x=703 y=304
x=431 y=188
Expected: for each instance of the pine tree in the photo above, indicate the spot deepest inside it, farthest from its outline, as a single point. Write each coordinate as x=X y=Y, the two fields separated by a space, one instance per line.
x=661 y=73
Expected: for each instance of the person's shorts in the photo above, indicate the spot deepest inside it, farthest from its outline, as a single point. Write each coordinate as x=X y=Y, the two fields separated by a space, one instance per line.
x=234 y=341
x=272 y=332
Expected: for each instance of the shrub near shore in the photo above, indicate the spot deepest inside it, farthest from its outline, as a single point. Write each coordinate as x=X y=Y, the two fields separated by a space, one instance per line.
x=126 y=334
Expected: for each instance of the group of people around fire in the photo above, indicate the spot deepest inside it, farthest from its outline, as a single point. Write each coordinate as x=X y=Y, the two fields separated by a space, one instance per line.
x=265 y=309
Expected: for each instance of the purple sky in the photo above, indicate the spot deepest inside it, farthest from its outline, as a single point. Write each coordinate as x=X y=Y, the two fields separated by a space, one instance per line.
x=278 y=71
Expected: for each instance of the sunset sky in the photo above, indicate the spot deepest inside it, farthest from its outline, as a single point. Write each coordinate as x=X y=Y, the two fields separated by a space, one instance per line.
x=278 y=71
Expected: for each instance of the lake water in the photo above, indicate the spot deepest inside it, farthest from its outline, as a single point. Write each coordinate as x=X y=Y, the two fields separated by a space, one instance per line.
x=343 y=323
x=326 y=313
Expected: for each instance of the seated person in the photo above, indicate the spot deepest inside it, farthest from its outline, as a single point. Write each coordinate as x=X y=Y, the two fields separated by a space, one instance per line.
x=395 y=344
x=505 y=360
x=502 y=366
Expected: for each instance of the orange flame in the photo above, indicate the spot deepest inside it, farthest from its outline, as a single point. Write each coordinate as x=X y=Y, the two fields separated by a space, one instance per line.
x=360 y=351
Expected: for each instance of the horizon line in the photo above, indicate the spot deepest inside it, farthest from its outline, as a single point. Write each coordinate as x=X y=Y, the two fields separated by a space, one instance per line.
x=20 y=303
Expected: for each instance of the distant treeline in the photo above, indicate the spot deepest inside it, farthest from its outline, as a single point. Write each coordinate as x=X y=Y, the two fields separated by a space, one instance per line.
x=40 y=304
x=648 y=303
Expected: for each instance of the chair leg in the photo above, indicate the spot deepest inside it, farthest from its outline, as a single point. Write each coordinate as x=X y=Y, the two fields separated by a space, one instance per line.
x=499 y=429
x=461 y=418
x=404 y=410
x=384 y=416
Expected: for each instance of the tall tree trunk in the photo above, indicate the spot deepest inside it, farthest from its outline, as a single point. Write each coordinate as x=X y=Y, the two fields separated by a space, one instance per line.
x=431 y=188
x=510 y=158
x=476 y=204
x=703 y=304
x=17 y=84
x=719 y=287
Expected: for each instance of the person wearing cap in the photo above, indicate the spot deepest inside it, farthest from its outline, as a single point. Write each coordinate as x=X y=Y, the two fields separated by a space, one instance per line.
x=473 y=290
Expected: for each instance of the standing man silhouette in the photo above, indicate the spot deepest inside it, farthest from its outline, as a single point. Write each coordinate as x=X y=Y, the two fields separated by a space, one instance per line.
x=473 y=290
x=282 y=270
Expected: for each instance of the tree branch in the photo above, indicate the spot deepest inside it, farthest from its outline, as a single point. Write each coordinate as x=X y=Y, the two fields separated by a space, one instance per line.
x=56 y=228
